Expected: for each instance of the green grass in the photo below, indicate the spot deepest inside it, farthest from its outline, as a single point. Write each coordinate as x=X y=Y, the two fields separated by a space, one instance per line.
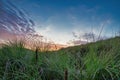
x=93 y=61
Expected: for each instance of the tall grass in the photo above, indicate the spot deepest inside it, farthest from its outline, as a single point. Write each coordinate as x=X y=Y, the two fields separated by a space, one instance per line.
x=93 y=61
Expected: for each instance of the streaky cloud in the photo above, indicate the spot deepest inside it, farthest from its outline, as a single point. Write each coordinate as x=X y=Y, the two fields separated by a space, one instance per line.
x=14 y=20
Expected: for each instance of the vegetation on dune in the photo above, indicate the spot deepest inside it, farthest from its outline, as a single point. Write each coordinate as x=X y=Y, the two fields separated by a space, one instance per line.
x=93 y=61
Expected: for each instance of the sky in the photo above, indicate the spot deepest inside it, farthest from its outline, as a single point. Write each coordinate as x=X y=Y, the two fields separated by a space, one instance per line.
x=57 y=20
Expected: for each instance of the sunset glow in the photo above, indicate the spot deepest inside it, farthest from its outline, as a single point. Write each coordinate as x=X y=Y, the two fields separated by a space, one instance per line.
x=60 y=21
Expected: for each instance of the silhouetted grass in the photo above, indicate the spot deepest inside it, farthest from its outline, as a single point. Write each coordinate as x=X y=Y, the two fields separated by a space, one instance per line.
x=93 y=61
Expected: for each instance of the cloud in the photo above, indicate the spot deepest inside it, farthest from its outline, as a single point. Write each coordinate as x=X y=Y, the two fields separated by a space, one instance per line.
x=14 y=20
x=86 y=20
x=98 y=32
x=78 y=20
x=51 y=33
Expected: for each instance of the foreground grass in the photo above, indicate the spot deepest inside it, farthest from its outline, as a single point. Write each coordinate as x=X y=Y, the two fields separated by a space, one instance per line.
x=93 y=61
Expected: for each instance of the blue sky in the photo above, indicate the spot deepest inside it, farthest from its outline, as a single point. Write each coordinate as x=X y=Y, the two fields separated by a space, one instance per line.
x=58 y=19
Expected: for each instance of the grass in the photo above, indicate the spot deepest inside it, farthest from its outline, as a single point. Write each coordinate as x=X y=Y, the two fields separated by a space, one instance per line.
x=93 y=61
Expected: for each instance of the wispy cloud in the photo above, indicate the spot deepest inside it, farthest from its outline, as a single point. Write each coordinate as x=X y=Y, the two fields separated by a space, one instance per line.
x=14 y=20
x=60 y=27
x=51 y=33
